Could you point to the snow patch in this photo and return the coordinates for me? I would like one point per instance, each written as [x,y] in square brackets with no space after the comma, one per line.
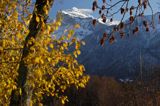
[115,22]
[81,13]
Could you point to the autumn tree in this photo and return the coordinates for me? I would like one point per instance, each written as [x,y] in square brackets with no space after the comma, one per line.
[107,9]
[32,62]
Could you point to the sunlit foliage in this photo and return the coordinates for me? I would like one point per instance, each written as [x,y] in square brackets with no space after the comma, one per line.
[52,66]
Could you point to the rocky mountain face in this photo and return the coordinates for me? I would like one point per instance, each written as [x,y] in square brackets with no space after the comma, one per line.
[127,57]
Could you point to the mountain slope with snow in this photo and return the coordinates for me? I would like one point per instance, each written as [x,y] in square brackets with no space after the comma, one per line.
[126,57]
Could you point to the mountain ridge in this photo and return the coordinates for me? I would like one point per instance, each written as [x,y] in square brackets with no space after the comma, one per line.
[122,58]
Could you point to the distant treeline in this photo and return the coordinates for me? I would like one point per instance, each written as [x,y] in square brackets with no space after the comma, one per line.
[107,91]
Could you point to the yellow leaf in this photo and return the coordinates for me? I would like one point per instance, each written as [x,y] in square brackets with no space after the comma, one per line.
[49,59]
[38,73]
[1,49]
[81,67]
[19,36]
[40,104]
[59,23]
[51,46]
[15,14]
[63,102]
[37,59]
[56,28]
[32,49]
[49,28]
[20,91]
[45,9]
[75,54]
[77,26]
[78,52]
[37,19]
[69,36]
[13,59]
[41,60]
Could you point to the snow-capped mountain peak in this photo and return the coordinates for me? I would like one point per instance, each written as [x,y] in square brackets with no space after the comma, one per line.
[84,18]
[81,13]
[86,13]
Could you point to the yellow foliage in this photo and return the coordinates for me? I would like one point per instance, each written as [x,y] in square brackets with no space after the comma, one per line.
[50,69]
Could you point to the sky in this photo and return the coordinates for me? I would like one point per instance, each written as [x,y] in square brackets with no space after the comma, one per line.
[87,4]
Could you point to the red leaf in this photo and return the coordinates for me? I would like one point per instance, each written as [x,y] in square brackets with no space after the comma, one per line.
[112,39]
[104,19]
[147,29]
[102,16]
[100,11]
[102,42]
[103,7]
[104,1]
[122,34]
[94,22]
[131,18]
[104,35]
[145,23]
[139,2]
[122,10]
[111,19]
[121,25]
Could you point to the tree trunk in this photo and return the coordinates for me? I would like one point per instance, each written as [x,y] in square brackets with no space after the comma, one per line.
[34,28]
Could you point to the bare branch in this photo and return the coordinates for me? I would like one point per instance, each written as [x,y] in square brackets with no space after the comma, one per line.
[139,10]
